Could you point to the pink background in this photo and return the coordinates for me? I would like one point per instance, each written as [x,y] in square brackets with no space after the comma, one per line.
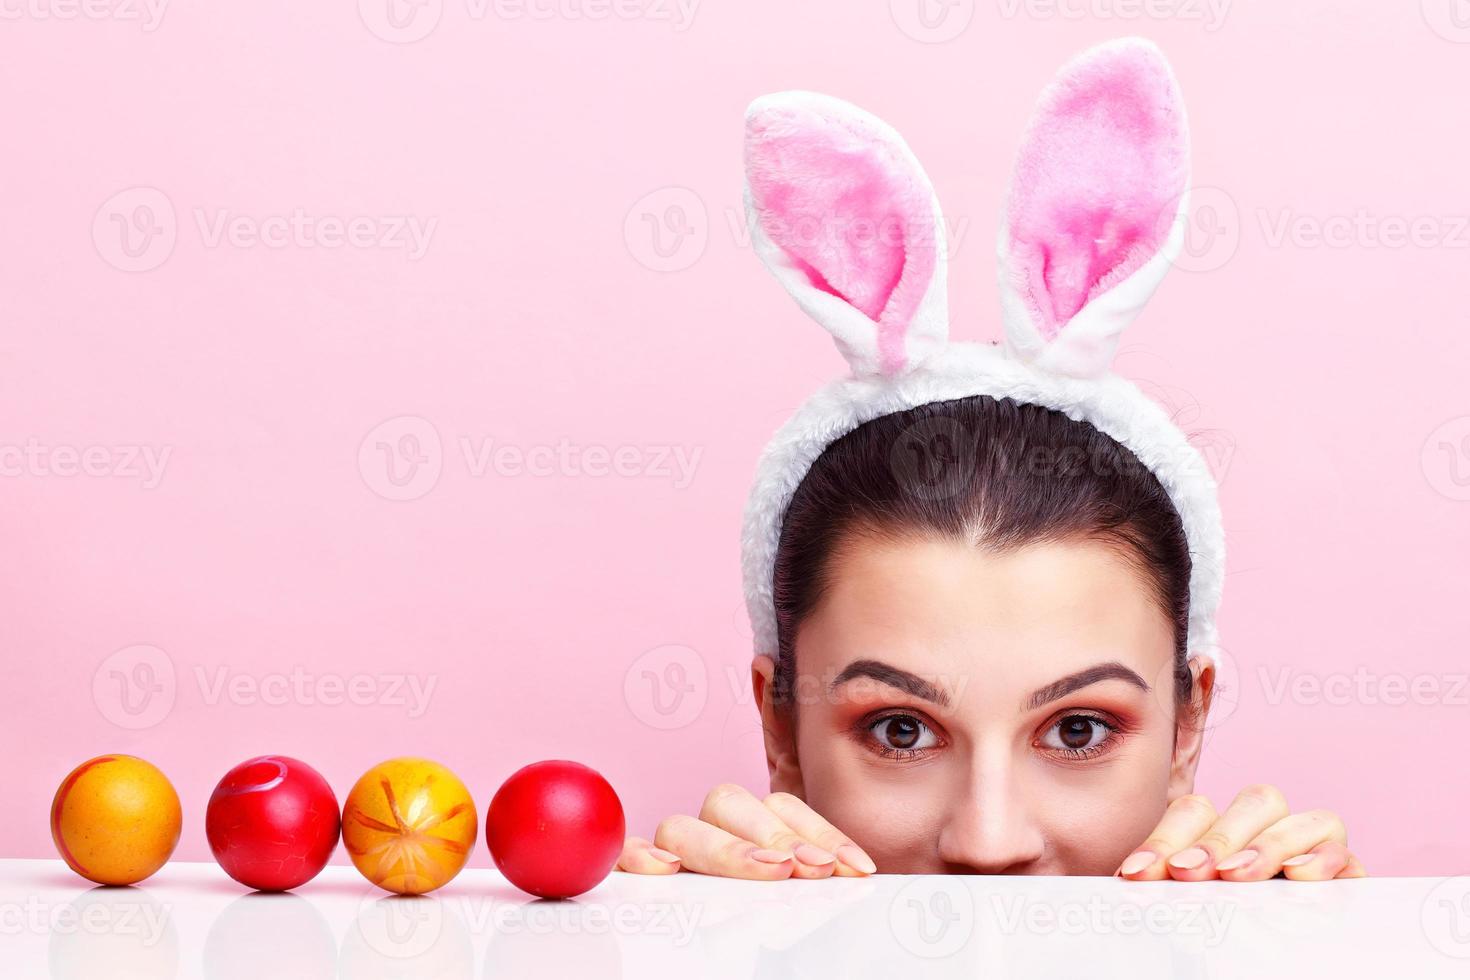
[1326,380]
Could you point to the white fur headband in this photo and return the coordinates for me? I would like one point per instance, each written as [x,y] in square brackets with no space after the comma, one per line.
[843,215]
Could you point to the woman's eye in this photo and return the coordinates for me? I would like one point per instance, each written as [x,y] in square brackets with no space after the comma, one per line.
[903,733]
[1077,733]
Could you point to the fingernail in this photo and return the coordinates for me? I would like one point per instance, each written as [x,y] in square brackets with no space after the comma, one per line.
[812,854]
[768,856]
[856,858]
[1137,862]
[1190,859]
[1299,860]
[668,857]
[1237,860]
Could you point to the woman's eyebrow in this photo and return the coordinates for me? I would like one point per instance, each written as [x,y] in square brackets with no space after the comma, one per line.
[1091,675]
[892,676]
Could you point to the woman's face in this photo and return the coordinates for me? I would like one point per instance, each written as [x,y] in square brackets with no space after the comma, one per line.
[961,711]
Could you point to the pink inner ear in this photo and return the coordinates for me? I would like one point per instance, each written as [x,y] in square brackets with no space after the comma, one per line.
[1097,182]
[851,211]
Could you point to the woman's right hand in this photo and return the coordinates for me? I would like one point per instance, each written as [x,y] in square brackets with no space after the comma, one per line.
[739,836]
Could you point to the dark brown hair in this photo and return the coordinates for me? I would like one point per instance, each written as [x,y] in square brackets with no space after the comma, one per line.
[997,473]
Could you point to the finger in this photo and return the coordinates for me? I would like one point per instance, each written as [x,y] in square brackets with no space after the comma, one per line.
[1248,816]
[1184,821]
[711,850]
[1328,860]
[852,861]
[735,808]
[640,857]
[1290,837]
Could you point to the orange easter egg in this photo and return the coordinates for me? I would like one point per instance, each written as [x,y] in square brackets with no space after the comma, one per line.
[409,825]
[115,819]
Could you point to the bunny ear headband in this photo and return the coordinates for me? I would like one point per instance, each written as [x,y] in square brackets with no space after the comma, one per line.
[843,215]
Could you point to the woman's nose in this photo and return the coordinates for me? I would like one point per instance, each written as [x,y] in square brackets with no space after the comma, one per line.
[990,828]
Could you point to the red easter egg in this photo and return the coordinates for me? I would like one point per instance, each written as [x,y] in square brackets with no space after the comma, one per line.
[555,829]
[272,823]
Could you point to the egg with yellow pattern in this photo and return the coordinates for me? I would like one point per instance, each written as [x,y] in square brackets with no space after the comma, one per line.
[409,825]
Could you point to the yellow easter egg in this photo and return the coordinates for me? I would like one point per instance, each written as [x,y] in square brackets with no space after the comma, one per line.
[409,825]
[115,819]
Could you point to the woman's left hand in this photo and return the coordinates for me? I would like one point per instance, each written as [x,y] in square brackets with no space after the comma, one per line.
[1253,840]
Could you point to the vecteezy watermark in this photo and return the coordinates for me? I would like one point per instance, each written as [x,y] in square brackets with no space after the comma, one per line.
[298,686]
[932,21]
[831,686]
[673,921]
[667,687]
[138,686]
[1211,14]
[932,917]
[135,687]
[675,464]
[402,459]
[667,230]
[137,229]
[1211,231]
[939,458]
[1364,687]
[1097,916]
[407,233]
[1450,19]
[1445,917]
[407,21]
[1445,458]
[1363,229]
[147,14]
[35,459]
[145,920]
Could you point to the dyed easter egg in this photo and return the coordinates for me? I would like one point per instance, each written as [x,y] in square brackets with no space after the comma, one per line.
[408,825]
[272,823]
[115,819]
[555,829]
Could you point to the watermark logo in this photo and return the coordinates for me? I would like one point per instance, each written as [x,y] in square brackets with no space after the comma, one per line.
[135,687]
[36,459]
[1445,917]
[401,458]
[1211,229]
[667,230]
[932,21]
[667,687]
[401,21]
[399,927]
[1364,687]
[135,230]
[932,917]
[1362,229]
[1450,19]
[1225,691]
[147,14]
[1210,14]
[1446,459]
[934,458]
[676,464]
[1096,916]
[138,686]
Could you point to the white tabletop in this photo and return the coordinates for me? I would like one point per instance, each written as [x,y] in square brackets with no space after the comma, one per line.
[189,920]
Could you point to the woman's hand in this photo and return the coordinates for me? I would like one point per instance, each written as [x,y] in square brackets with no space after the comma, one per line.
[1251,841]
[739,836]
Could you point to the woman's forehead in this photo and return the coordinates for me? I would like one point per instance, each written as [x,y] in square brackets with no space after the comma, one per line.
[931,605]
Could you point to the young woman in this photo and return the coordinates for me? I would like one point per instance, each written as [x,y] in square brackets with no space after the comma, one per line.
[983,580]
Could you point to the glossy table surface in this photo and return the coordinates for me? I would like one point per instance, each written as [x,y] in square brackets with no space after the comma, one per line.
[189,920]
